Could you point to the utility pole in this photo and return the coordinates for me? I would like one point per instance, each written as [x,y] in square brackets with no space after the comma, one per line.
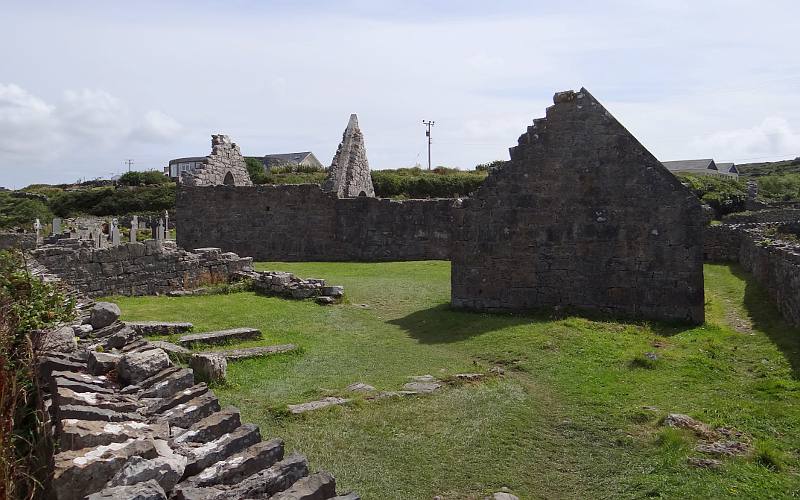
[129,162]
[428,124]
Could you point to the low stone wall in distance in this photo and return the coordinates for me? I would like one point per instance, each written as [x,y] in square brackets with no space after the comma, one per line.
[764,216]
[147,268]
[774,263]
[22,241]
[303,223]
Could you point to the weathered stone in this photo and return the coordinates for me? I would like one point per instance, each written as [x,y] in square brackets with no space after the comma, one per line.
[186,414]
[347,496]
[686,422]
[225,165]
[277,478]
[206,454]
[724,448]
[82,331]
[209,367]
[319,486]
[104,314]
[136,367]
[325,301]
[502,495]
[76,434]
[59,340]
[348,175]
[146,328]
[211,427]
[704,463]
[66,396]
[79,383]
[468,377]
[177,398]
[148,490]
[175,352]
[123,339]
[583,217]
[166,469]
[220,337]
[101,363]
[335,291]
[253,352]
[82,412]
[78,473]
[167,382]
[360,387]
[316,405]
[423,384]
[235,468]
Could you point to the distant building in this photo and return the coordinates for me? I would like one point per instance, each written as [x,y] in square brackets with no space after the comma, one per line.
[304,158]
[702,167]
[179,165]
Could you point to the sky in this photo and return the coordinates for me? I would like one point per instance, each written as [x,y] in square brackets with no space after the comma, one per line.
[86,85]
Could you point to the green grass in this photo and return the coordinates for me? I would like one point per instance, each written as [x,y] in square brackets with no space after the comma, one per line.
[576,414]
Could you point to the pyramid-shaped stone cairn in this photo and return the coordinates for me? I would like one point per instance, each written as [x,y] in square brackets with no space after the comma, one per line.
[349,175]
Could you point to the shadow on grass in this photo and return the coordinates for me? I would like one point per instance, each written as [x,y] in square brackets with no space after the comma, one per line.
[766,318]
[442,324]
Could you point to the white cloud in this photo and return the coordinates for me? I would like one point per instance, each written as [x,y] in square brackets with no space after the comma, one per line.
[773,137]
[27,125]
[157,127]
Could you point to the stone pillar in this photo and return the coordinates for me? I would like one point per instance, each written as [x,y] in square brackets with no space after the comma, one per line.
[134,228]
[160,231]
[37,226]
[56,225]
[166,224]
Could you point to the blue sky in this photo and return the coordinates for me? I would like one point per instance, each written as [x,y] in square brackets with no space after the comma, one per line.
[85,85]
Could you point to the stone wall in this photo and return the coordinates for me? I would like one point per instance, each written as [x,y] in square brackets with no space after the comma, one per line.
[128,423]
[763,216]
[23,241]
[225,165]
[301,222]
[774,264]
[348,175]
[137,268]
[582,217]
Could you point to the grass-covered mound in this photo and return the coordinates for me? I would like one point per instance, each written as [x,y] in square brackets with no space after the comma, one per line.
[576,414]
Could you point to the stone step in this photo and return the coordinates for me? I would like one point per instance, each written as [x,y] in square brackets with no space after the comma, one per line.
[194,410]
[147,490]
[253,352]
[174,351]
[78,434]
[65,396]
[162,405]
[211,427]
[200,457]
[173,382]
[319,486]
[235,468]
[146,328]
[220,337]
[316,405]
[82,412]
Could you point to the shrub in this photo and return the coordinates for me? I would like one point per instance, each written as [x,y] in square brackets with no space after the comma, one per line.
[21,212]
[255,167]
[784,187]
[106,201]
[146,178]
[724,196]
[25,304]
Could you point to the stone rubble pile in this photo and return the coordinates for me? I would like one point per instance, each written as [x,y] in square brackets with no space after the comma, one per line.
[290,286]
[131,424]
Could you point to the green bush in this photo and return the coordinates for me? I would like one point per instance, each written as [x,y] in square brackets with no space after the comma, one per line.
[255,167]
[105,201]
[724,196]
[21,212]
[416,183]
[784,187]
[146,178]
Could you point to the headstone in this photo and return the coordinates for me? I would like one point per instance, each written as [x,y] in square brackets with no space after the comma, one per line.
[166,224]
[38,227]
[160,231]
[134,228]
[115,236]
[56,225]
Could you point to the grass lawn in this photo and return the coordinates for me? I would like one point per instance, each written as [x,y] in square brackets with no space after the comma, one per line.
[576,414]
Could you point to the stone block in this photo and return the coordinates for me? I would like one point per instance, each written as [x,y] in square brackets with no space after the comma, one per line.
[137,367]
[209,367]
[104,314]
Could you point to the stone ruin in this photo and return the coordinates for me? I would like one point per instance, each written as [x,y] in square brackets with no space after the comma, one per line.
[225,165]
[348,175]
[582,217]
[128,423]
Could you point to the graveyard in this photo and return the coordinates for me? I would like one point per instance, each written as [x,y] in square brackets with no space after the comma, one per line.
[565,406]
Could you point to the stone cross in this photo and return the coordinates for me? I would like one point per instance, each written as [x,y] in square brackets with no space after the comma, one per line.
[160,231]
[56,225]
[166,224]
[38,227]
[134,228]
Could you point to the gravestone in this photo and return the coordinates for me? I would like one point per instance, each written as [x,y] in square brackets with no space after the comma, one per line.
[166,224]
[115,236]
[134,228]
[56,225]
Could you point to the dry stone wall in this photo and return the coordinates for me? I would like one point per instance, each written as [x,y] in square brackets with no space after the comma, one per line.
[764,216]
[301,222]
[773,263]
[583,216]
[225,165]
[130,424]
[147,268]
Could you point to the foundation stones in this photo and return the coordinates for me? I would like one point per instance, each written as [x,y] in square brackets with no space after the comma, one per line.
[104,314]
[254,352]
[100,363]
[240,465]
[316,405]
[77,434]
[186,414]
[220,337]
[175,380]
[138,366]
[147,328]
[209,367]
[58,340]
[422,384]
[148,490]
[211,427]
[175,352]
[209,453]
[348,175]
[319,486]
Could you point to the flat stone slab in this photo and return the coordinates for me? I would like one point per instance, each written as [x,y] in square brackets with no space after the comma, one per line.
[253,352]
[423,384]
[220,337]
[159,327]
[317,405]
[360,387]
[173,351]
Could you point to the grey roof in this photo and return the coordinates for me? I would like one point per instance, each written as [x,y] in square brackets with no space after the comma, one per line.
[681,165]
[187,159]
[290,157]
[727,167]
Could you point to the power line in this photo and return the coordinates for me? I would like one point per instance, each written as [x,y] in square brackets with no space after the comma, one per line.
[129,162]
